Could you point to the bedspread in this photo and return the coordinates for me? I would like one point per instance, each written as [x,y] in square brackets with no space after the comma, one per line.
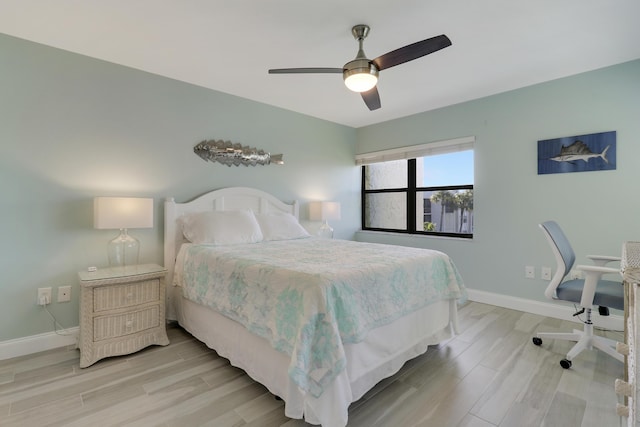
[308,297]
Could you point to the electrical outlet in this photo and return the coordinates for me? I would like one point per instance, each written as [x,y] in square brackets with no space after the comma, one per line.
[44,296]
[545,273]
[64,293]
[529,272]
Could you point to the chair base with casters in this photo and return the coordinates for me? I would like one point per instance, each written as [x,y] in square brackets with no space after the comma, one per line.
[587,293]
[585,340]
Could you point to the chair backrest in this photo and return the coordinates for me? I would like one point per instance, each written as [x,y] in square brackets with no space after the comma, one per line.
[563,252]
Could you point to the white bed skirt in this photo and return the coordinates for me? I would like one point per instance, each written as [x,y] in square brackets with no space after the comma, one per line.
[379,356]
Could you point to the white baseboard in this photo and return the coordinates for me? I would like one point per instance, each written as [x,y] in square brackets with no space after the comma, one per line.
[50,340]
[557,310]
[37,343]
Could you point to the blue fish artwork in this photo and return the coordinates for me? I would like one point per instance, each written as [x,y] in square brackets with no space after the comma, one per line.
[581,153]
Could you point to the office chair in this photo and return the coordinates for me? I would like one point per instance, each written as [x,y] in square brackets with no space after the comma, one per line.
[587,292]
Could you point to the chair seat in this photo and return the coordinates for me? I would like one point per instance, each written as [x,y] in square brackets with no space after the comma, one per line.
[609,293]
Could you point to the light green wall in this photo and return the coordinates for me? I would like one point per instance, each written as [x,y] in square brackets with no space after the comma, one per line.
[598,210]
[72,128]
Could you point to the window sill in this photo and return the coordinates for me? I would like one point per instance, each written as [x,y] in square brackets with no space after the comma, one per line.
[411,236]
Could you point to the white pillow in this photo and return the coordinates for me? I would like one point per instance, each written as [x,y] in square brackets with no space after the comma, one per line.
[280,226]
[222,227]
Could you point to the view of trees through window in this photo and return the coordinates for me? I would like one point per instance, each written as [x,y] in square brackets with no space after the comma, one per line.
[457,215]
[428,195]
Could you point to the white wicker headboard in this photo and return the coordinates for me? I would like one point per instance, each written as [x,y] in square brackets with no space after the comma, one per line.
[225,199]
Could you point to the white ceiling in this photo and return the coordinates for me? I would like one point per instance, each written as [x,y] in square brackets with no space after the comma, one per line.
[228,45]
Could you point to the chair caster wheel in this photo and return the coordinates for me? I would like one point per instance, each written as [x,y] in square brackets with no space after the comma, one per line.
[537,341]
[566,364]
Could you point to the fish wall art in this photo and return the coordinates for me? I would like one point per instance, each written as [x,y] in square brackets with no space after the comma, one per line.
[580,153]
[228,153]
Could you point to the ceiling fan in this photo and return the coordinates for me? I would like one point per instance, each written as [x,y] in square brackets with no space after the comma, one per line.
[361,74]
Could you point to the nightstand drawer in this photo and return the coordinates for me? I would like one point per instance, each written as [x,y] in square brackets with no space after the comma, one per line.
[106,327]
[121,296]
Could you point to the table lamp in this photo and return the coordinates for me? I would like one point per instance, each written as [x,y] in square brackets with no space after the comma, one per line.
[324,211]
[122,213]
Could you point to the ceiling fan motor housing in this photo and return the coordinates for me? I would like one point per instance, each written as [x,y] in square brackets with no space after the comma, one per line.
[360,69]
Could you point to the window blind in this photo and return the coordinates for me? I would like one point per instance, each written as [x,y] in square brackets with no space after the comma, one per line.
[415,151]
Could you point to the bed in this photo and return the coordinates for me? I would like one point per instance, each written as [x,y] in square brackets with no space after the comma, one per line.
[318,322]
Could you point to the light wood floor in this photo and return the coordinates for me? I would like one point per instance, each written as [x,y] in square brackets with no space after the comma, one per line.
[489,375]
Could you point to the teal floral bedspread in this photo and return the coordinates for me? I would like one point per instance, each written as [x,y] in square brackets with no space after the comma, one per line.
[308,297]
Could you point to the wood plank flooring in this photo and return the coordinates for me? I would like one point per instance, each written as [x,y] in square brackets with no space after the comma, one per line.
[489,375]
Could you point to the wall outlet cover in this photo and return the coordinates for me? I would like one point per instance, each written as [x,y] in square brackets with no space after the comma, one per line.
[64,294]
[529,272]
[44,296]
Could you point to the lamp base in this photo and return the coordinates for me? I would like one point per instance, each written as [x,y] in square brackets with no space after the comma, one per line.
[123,250]
[325,231]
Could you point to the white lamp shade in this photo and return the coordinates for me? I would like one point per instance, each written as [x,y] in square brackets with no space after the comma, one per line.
[323,211]
[122,212]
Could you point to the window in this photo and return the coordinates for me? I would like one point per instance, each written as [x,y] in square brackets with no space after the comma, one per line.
[425,189]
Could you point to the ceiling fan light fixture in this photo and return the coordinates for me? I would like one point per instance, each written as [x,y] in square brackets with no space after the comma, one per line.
[360,75]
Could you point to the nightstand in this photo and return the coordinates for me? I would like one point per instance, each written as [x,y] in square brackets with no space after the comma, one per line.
[122,310]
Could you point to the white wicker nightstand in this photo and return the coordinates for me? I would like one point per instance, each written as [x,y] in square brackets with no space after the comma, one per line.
[122,310]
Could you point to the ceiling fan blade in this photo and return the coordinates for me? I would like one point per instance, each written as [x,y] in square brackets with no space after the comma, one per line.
[411,52]
[305,70]
[371,98]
